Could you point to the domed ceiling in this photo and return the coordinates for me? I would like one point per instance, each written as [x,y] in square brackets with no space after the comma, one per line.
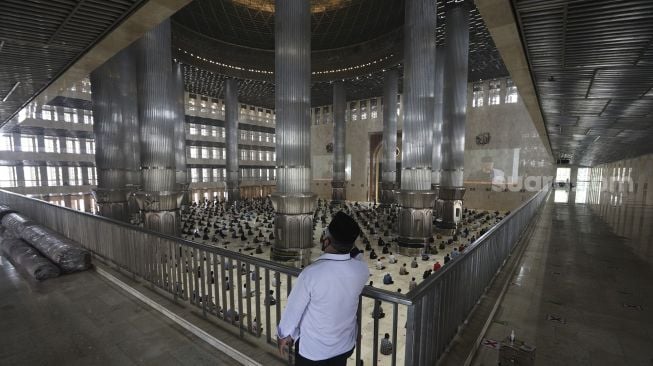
[334,23]
[351,40]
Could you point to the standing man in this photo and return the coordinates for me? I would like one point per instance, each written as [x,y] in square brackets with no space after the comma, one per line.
[320,317]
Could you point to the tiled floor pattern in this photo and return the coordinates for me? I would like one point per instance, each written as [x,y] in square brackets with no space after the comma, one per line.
[582,294]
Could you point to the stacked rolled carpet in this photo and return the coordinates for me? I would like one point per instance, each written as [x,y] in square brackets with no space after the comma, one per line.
[5,210]
[22,254]
[15,223]
[56,247]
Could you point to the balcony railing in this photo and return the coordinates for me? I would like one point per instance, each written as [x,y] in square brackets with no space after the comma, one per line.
[211,279]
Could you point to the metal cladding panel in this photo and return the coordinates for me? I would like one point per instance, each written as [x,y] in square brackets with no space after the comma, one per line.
[157,109]
[293,94]
[129,104]
[339,103]
[390,86]
[108,124]
[436,164]
[180,126]
[231,129]
[455,97]
[419,87]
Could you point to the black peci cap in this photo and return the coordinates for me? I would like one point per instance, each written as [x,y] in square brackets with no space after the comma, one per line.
[344,230]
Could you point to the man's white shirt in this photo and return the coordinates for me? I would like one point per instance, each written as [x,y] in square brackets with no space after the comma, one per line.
[321,308]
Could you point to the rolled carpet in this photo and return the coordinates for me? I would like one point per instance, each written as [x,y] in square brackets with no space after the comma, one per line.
[29,259]
[65,253]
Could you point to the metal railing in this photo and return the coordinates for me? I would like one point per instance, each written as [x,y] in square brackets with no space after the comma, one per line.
[235,287]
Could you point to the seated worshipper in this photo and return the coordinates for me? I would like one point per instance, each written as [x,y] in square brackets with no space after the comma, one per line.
[425,274]
[392,259]
[455,253]
[379,264]
[373,254]
[413,264]
[412,284]
[387,279]
[259,250]
[386,345]
[368,246]
[377,312]
[385,250]
[269,299]
[436,266]
[320,315]
[447,259]
[403,271]
[425,256]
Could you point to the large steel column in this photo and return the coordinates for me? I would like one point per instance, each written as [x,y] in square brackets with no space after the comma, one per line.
[416,198]
[180,135]
[338,190]
[454,114]
[232,110]
[436,164]
[111,127]
[159,199]
[293,201]
[389,174]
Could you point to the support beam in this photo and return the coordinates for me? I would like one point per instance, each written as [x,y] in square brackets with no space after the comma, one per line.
[113,89]
[293,201]
[416,198]
[338,189]
[181,175]
[450,204]
[389,166]
[232,110]
[159,199]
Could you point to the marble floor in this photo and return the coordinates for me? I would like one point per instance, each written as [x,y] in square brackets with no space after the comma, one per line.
[80,319]
[582,294]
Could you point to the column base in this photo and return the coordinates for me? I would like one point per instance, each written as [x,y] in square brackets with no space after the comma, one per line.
[233,191]
[415,221]
[338,191]
[387,194]
[160,211]
[113,203]
[293,226]
[449,207]
[164,222]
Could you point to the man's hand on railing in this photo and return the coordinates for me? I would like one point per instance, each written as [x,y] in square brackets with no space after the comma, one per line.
[284,345]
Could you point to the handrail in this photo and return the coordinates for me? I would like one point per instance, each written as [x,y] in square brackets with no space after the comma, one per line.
[426,284]
[203,276]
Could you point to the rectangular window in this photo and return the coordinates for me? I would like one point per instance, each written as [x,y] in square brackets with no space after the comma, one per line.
[363,109]
[51,144]
[511,92]
[205,152]
[7,176]
[72,146]
[6,143]
[252,155]
[88,117]
[215,175]
[32,176]
[478,96]
[206,174]
[203,130]
[90,147]
[494,97]
[193,152]
[91,175]
[192,129]
[373,109]
[317,114]
[353,111]
[54,176]
[194,175]
[28,143]
[48,113]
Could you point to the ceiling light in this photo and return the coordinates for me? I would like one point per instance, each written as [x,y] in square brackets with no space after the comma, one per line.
[11,91]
